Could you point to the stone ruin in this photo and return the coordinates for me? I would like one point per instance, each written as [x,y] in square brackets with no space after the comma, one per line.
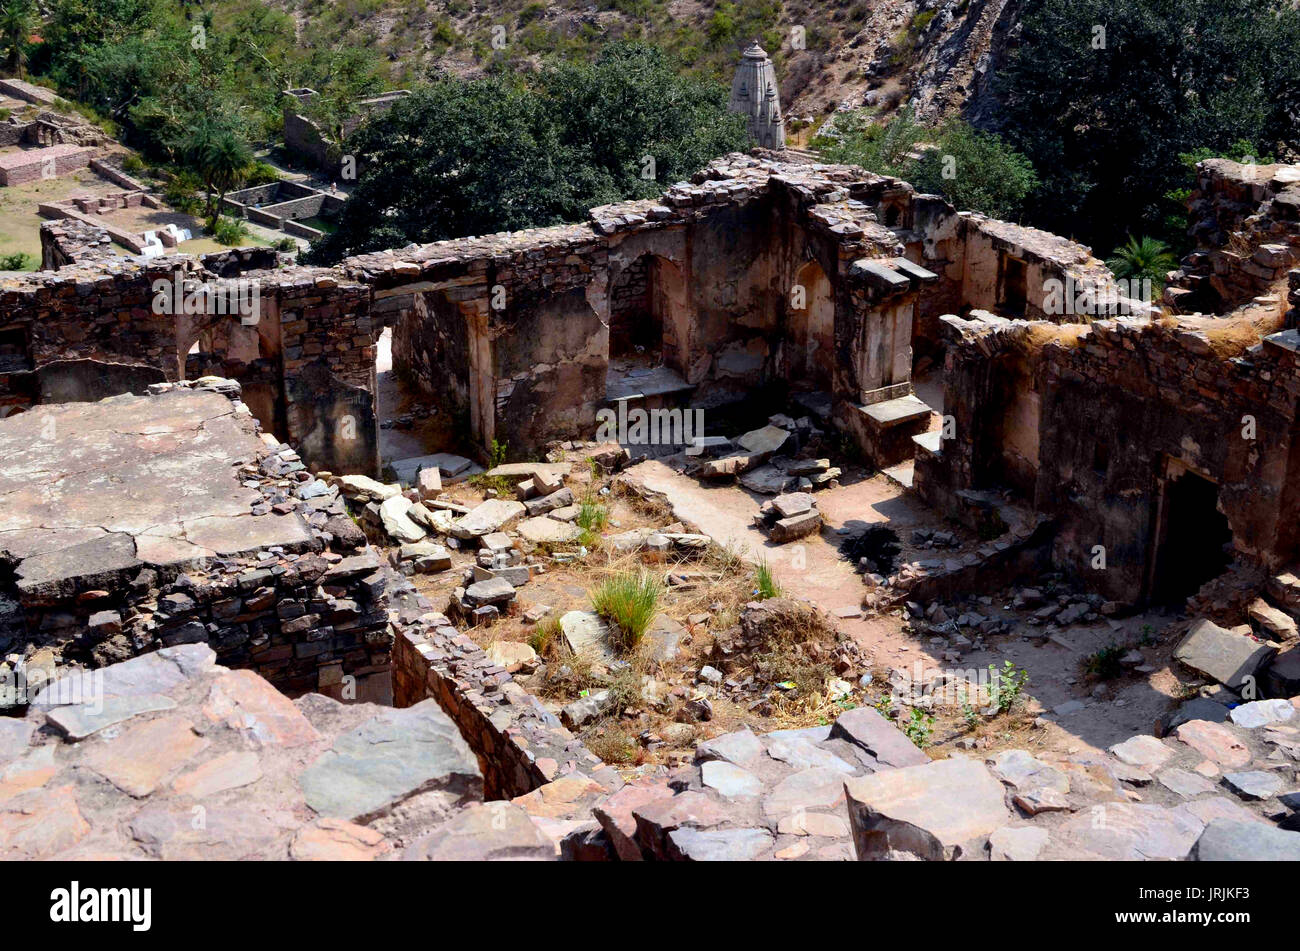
[1161,441]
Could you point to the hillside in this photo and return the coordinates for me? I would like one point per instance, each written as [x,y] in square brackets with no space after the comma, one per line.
[854,51]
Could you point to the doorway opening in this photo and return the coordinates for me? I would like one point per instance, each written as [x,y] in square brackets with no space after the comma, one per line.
[1193,540]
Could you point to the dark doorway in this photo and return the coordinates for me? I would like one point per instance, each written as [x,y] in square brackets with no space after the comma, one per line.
[1193,540]
[1014,288]
[636,326]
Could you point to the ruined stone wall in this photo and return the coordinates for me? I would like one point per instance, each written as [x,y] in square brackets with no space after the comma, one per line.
[1245,221]
[1121,404]
[520,745]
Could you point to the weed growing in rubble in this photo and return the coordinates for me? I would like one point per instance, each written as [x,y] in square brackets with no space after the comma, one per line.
[1104,663]
[629,601]
[766,584]
[592,516]
[613,745]
[918,727]
[1005,686]
[548,628]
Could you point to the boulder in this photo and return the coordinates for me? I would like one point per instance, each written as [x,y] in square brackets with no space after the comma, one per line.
[1218,653]
[1225,840]
[937,811]
[393,513]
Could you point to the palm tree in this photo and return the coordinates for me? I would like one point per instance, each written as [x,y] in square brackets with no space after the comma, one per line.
[15,28]
[221,155]
[1143,258]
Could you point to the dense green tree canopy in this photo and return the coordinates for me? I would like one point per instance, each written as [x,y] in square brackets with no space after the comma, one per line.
[458,157]
[1104,95]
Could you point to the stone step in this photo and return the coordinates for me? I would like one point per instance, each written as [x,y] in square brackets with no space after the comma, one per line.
[931,442]
[896,412]
[901,473]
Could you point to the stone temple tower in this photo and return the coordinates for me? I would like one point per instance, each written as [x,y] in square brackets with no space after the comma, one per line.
[754,95]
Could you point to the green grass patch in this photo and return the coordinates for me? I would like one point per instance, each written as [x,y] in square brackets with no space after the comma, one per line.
[628,601]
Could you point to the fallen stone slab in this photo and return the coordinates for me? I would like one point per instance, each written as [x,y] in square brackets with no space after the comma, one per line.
[729,780]
[1253,784]
[766,480]
[1022,771]
[937,811]
[797,526]
[1017,843]
[80,721]
[1185,783]
[727,467]
[586,709]
[1225,840]
[1215,742]
[742,748]
[448,465]
[719,845]
[428,483]
[484,832]
[585,632]
[766,441]
[543,530]
[374,768]
[1126,831]
[494,590]
[393,513]
[615,816]
[1198,708]
[1218,653]
[883,742]
[793,503]
[366,489]
[1145,752]
[549,503]
[1267,621]
[490,516]
[807,467]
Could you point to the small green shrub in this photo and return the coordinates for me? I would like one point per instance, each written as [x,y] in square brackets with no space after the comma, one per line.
[918,727]
[628,601]
[766,584]
[229,231]
[18,261]
[1104,663]
[1006,686]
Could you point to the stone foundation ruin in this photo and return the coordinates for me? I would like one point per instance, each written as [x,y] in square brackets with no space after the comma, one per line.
[1143,454]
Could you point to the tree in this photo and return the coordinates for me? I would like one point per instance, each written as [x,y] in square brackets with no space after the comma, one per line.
[15,29]
[216,149]
[348,76]
[498,154]
[1104,95]
[885,148]
[1143,259]
[976,171]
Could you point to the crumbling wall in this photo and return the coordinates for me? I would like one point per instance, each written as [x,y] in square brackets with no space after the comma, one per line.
[1122,405]
[520,745]
[1245,221]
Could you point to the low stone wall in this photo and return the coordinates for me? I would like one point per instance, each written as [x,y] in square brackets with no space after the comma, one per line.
[520,745]
[19,167]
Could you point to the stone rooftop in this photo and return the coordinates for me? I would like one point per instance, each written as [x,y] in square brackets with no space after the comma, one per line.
[104,489]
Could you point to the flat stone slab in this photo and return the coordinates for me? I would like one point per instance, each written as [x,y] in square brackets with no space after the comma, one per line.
[1225,840]
[1184,782]
[766,480]
[372,769]
[935,811]
[394,513]
[146,469]
[1253,784]
[1227,657]
[80,721]
[720,845]
[793,503]
[730,780]
[883,742]
[486,518]
[447,464]
[765,441]
[544,530]
[1145,752]
[895,412]
[585,632]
